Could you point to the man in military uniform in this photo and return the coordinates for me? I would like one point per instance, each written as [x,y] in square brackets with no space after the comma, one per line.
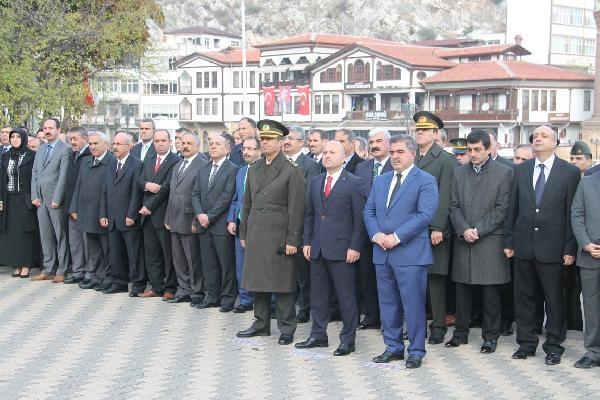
[581,156]
[459,149]
[271,232]
[432,159]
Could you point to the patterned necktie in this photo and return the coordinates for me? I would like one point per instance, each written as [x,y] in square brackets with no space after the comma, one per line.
[539,185]
[96,162]
[48,151]
[157,165]
[211,178]
[119,167]
[376,171]
[396,186]
[477,168]
[182,168]
[328,186]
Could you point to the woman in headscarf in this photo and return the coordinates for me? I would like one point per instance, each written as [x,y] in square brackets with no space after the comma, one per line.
[17,214]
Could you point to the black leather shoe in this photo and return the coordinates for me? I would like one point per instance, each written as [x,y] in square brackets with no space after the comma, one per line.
[302,317]
[99,287]
[553,359]
[134,294]
[115,289]
[180,299]
[196,302]
[436,338]
[251,332]
[72,280]
[311,342]
[344,349]
[87,285]
[522,354]
[586,363]
[489,346]
[507,329]
[413,362]
[207,305]
[387,356]
[363,326]
[225,309]
[242,308]
[285,339]
[455,342]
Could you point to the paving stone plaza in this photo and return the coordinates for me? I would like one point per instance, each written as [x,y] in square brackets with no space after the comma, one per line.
[61,342]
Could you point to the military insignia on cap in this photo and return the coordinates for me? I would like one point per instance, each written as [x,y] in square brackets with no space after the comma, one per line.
[265,128]
[422,119]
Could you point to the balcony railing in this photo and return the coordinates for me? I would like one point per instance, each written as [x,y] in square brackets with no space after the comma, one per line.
[477,115]
[293,83]
[376,115]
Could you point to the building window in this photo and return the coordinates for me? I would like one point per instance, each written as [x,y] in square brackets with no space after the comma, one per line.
[236,79]
[235,43]
[332,75]
[317,104]
[587,100]
[160,110]
[573,16]
[237,108]
[215,106]
[172,61]
[207,43]
[214,79]
[573,45]
[206,80]
[217,43]
[543,100]
[553,100]
[535,100]
[252,108]
[335,104]
[199,106]
[130,86]
[387,72]
[252,79]
[326,104]
[198,80]
[206,106]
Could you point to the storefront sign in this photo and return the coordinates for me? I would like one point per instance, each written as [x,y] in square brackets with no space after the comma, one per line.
[359,85]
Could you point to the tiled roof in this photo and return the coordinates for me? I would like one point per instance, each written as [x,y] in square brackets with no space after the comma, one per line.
[199,30]
[413,55]
[481,50]
[506,70]
[229,56]
[320,38]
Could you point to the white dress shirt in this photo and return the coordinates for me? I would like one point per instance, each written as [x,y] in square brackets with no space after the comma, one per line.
[335,176]
[394,179]
[547,168]
[144,150]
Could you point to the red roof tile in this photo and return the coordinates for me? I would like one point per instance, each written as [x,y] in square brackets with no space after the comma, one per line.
[481,50]
[320,38]
[413,55]
[230,55]
[506,70]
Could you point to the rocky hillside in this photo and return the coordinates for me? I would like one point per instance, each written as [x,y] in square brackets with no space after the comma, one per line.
[401,20]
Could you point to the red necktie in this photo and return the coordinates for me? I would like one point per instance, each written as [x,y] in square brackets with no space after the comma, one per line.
[157,166]
[328,186]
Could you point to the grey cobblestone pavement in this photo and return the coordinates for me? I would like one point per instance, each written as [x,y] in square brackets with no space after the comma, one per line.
[61,342]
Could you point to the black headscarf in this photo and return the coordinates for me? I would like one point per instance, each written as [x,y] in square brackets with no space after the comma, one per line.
[16,152]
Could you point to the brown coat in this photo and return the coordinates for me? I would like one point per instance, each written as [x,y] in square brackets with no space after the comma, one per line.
[272,216]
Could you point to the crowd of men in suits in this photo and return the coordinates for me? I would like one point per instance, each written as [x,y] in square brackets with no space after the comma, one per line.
[264,225]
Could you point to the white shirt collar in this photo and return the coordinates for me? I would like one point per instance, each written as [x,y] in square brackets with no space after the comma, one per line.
[294,157]
[335,176]
[406,172]
[547,164]
[382,162]
[219,163]
[123,160]
[348,158]
[102,156]
[189,160]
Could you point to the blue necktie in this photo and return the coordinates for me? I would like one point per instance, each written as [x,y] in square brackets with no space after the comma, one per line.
[539,185]
[48,151]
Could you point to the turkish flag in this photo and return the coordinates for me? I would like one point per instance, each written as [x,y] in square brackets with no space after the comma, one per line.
[269,100]
[87,91]
[304,93]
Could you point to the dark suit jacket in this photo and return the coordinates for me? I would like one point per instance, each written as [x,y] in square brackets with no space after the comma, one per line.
[351,165]
[74,167]
[136,151]
[214,200]
[157,202]
[504,161]
[235,156]
[25,170]
[85,201]
[593,170]
[180,212]
[542,232]
[364,170]
[121,197]
[335,224]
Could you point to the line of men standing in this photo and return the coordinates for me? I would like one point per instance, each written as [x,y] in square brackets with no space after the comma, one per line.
[170,220]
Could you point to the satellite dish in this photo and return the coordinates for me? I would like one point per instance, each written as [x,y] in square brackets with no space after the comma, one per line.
[485,107]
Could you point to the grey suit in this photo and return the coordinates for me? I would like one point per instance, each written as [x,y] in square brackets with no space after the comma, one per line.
[480,201]
[180,217]
[48,182]
[585,220]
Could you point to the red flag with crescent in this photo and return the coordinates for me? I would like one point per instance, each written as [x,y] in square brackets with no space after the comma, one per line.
[269,100]
[304,94]
[87,91]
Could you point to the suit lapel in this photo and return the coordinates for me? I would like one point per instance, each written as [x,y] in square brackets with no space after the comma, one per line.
[123,170]
[217,174]
[192,165]
[52,153]
[272,171]
[336,188]
[552,180]
[402,188]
